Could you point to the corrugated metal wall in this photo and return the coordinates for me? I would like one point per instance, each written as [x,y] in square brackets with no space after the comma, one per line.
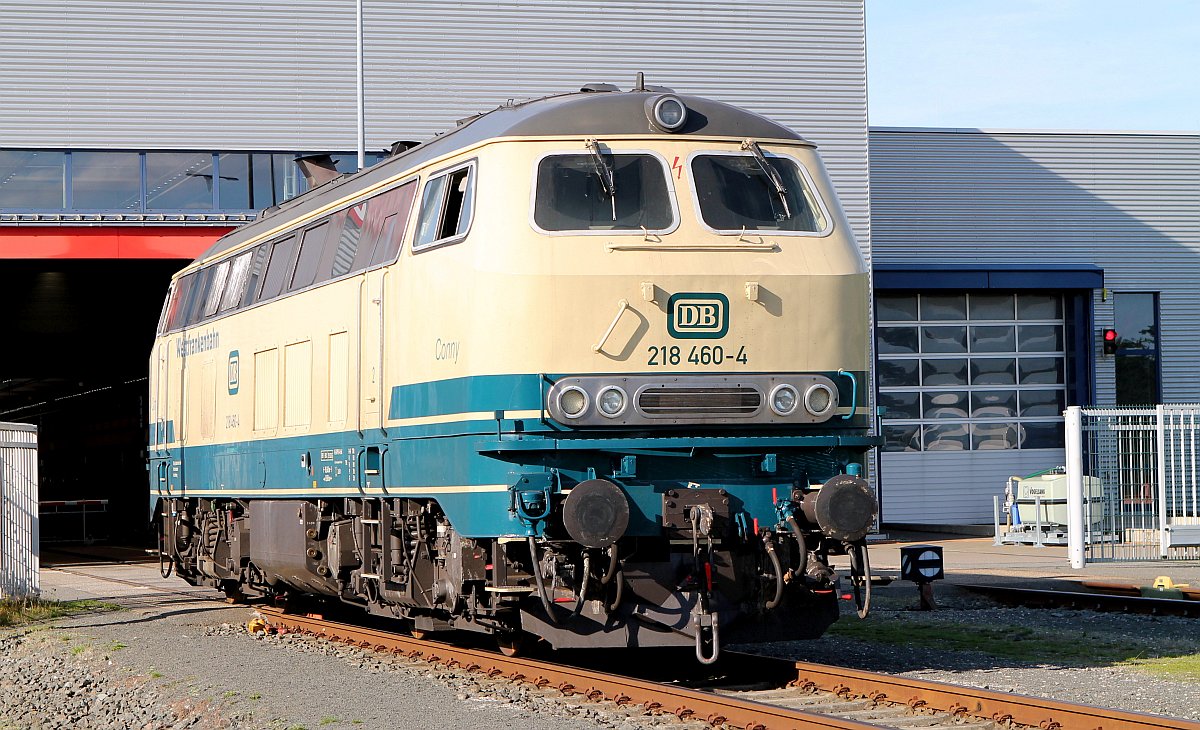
[20,574]
[1129,203]
[281,75]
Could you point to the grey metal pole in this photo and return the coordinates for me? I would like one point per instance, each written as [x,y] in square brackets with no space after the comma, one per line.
[1037,508]
[1075,526]
[996,518]
[1160,425]
[362,109]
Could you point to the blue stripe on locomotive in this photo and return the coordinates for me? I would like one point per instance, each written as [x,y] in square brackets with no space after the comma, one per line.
[446,460]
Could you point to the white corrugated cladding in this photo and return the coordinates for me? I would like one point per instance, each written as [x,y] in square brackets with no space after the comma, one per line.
[1126,202]
[281,75]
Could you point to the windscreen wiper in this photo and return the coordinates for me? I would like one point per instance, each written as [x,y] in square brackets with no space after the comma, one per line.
[771,173]
[604,171]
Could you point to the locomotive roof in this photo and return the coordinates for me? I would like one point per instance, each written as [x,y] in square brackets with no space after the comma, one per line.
[596,114]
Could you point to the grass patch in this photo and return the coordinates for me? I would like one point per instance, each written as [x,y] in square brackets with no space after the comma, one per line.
[17,612]
[155,674]
[328,720]
[116,646]
[1010,642]
[255,695]
[1185,667]
[77,650]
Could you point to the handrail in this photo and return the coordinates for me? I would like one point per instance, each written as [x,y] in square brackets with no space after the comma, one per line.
[621,307]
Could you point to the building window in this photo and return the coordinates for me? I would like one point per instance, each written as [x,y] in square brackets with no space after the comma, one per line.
[106,181]
[1135,317]
[33,179]
[971,372]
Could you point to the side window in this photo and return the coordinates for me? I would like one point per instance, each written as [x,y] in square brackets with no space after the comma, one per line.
[178,304]
[310,256]
[216,289]
[257,264]
[386,222]
[198,296]
[235,284]
[446,207]
[278,266]
[349,223]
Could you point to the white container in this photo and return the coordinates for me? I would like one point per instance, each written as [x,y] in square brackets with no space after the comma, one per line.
[1052,489]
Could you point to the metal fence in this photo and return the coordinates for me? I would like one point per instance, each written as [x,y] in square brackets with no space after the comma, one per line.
[19,562]
[1146,460]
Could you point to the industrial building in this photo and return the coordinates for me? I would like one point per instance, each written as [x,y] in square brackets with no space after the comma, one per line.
[127,147]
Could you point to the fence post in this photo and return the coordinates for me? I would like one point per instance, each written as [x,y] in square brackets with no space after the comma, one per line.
[996,519]
[1075,524]
[1160,426]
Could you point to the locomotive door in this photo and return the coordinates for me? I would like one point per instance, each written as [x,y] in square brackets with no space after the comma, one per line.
[372,390]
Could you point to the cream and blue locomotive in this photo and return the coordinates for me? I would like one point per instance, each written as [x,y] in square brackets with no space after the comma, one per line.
[590,368]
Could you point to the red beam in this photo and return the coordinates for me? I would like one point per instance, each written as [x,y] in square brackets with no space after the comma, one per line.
[107,242]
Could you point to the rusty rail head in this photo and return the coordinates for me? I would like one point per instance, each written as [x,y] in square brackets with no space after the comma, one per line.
[971,702]
[655,697]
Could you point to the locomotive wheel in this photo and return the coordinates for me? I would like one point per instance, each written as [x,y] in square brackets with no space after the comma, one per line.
[860,577]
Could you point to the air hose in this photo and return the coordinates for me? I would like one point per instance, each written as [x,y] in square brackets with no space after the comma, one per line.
[541,586]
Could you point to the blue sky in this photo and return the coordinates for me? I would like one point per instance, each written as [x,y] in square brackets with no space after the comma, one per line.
[1043,64]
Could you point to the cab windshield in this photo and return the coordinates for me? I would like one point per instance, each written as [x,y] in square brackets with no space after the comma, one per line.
[602,192]
[738,193]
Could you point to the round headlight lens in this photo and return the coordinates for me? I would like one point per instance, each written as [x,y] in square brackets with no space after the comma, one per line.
[573,401]
[669,113]
[611,401]
[784,399]
[818,399]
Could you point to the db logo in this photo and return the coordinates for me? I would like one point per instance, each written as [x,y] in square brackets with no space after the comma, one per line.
[234,372]
[694,316]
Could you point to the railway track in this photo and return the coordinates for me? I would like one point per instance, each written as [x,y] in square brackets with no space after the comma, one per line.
[1115,602]
[769,693]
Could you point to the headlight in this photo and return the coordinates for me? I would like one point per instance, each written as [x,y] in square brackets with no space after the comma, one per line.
[818,399]
[611,401]
[668,113]
[573,401]
[784,399]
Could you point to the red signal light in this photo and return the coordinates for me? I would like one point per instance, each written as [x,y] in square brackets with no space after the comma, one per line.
[1110,342]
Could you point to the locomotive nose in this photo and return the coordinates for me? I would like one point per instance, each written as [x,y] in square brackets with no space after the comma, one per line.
[596,513]
[843,508]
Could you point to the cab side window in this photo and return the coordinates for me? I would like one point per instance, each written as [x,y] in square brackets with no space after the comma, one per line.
[446,207]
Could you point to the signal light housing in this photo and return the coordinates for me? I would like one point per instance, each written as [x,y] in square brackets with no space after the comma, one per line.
[1110,342]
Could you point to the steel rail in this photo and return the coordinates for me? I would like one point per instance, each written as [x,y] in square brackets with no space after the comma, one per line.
[922,696]
[1000,707]
[1110,602]
[683,702]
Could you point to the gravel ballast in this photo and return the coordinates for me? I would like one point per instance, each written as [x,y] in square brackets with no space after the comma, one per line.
[185,663]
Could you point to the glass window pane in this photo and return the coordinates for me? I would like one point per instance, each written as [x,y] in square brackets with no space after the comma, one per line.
[349,226]
[1040,338]
[239,272]
[993,339]
[902,438]
[901,405]
[1036,403]
[899,374]
[949,404]
[394,226]
[1041,370]
[943,306]
[1137,380]
[994,404]
[234,188]
[431,205]
[179,181]
[311,249]
[952,371]
[32,179]
[993,371]
[735,194]
[989,436]
[943,339]
[1042,435]
[1039,306]
[947,437]
[178,304]
[267,173]
[896,307]
[277,268]
[256,270]
[992,306]
[106,181]
[897,340]
[216,289]
[1134,320]
[571,196]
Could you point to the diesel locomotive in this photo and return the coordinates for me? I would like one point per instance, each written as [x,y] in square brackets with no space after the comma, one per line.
[590,369]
